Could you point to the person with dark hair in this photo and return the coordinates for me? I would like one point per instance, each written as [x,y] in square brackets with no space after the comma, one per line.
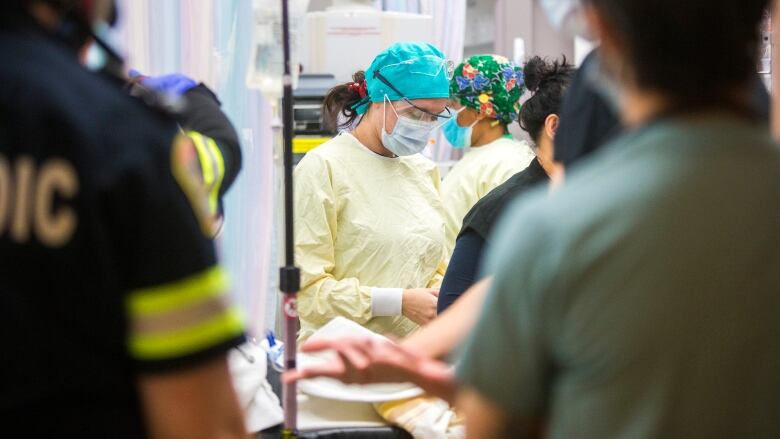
[485,91]
[369,227]
[644,304]
[588,120]
[548,82]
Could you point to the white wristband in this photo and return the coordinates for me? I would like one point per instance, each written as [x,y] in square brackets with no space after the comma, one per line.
[386,302]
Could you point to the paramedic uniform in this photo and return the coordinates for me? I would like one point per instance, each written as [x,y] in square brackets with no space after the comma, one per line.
[105,270]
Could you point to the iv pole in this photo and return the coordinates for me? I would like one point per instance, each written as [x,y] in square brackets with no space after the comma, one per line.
[289,275]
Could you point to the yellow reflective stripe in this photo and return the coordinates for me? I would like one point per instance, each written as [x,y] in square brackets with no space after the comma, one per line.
[220,162]
[164,298]
[187,341]
[206,165]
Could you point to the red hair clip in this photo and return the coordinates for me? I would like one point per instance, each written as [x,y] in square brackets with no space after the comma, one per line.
[359,88]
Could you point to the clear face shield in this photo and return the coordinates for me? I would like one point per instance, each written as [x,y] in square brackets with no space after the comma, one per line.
[430,66]
[414,123]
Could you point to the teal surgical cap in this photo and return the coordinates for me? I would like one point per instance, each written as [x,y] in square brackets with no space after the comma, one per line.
[415,71]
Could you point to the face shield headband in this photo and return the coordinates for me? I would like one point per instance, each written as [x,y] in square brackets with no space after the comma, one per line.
[427,65]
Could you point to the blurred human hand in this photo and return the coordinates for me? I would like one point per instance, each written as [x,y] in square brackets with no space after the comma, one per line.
[366,361]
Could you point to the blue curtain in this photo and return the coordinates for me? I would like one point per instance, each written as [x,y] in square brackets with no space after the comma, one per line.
[166,36]
[249,244]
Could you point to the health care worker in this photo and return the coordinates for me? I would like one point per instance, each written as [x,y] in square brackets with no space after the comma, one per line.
[369,226]
[548,81]
[486,91]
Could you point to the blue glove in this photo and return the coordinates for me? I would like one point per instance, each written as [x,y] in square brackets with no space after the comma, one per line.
[175,84]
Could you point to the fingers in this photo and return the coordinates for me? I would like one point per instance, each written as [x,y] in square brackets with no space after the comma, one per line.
[354,359]
[333,370]
[350,366]
[386,362]
[324,344]
[292,376]
[319,344]
[434,292]
[360,361]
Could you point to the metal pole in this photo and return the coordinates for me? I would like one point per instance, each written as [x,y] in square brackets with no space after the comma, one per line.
[289,275]
[775,74]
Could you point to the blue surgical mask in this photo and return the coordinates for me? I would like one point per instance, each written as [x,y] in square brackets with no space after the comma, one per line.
[409,136]
[458,136]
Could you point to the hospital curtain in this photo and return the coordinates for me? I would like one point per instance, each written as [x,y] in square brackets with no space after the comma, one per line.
[210,41]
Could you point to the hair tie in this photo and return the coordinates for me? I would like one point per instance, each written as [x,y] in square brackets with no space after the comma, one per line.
[359,88]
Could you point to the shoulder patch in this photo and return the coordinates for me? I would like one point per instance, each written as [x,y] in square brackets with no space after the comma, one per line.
[186,169]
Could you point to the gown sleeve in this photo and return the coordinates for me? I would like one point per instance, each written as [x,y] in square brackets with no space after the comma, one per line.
[322,296]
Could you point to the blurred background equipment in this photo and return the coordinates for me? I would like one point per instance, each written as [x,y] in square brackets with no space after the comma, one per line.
[310,128]
[266,66]
[346,36]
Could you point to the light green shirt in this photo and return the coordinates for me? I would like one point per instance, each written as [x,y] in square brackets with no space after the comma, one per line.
[646,301]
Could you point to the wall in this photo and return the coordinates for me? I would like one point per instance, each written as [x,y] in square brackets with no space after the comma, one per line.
[210,41]
[525,19]
[480,37]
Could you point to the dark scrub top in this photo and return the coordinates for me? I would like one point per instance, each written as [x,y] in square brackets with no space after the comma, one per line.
[464,266]
[587,121]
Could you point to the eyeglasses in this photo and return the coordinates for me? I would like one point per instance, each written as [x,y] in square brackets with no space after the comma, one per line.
[420,114]
[413,111]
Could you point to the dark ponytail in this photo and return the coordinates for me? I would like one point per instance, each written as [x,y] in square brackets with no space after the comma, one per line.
[548,82]
[339,101]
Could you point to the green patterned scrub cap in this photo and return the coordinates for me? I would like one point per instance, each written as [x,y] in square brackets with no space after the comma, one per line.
[490,84]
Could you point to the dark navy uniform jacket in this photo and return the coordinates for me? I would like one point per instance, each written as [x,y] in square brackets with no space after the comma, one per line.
[107,271]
